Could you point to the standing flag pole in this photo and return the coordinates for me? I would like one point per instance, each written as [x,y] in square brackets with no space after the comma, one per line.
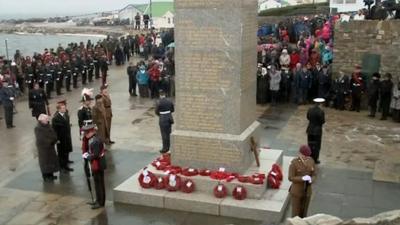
[151,14]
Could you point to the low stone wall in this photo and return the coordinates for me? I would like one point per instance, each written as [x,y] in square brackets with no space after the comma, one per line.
[387,218]
[355,38]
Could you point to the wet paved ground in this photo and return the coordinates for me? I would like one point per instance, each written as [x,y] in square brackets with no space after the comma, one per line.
[342,189]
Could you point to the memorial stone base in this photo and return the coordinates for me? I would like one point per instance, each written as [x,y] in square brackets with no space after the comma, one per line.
[214,150]
[261,204]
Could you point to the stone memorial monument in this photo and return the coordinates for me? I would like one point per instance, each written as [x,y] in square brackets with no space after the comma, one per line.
[215,83]
[215,117]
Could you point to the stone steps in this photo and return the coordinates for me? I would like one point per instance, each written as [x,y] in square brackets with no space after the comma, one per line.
[271,206]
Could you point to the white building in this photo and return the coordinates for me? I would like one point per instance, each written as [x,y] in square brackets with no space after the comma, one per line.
[129,12]
[164,21]
[346,5]
[269,4]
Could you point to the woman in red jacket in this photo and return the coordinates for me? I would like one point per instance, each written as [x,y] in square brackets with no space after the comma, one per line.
[294,59]
[154,73]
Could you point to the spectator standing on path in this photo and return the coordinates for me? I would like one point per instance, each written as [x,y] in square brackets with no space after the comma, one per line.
[357,89]
[154,73]
[46,138]
[94,155]
[373,94]
[262,84]
[386,89]
[301,173]
[164,110]
[142,78]
[108,110]
[316,118]
[137,21]
[132,71]
[274,83]
[324,84]
[303,84]
[62,127]
[7,98]
[341,89]
[38,102]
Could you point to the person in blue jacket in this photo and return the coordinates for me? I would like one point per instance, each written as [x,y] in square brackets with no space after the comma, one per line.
[142,78]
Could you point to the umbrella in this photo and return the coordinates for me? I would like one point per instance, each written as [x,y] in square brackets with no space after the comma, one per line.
[172,45]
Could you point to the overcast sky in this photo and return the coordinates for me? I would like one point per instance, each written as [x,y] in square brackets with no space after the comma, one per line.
[30,8]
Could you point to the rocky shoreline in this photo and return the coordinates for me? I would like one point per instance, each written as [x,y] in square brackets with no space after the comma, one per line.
[54,28]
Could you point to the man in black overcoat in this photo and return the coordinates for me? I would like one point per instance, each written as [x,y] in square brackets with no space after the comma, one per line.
[62,127]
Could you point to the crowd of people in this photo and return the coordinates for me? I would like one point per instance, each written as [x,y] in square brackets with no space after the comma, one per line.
[295,65]
[77,65]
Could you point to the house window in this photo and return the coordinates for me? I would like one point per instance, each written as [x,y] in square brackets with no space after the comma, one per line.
[169,20]
[350,1]
[338,1]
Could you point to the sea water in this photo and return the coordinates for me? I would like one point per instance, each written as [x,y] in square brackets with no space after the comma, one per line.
[30,43]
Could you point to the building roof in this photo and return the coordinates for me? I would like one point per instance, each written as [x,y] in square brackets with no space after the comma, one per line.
[142,7]
[130,6]
[158,8]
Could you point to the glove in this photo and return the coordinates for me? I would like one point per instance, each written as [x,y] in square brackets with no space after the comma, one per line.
[85,155]
[12,98]
[306,178]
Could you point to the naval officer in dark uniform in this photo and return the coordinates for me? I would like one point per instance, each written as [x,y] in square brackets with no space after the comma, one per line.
[7,97]
[316,118]
[164,110]
[38,102]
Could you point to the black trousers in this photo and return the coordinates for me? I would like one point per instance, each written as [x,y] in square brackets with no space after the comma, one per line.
[274,96]
[58,86]
[132,85]
[97,72]
[385,105]
[8,115]
[165,135]
[143,91]
[84,77]
[63,158]
[155,89]
[314,142]
[99,187]
[75,80]
[373,104]
[49,88]
[340,101]
[356,102]
[90,75]
[47,176]
[68,83]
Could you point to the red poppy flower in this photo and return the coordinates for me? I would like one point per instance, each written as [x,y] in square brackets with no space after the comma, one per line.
[220,191]
[188,186]
[239,193]
[172,182]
